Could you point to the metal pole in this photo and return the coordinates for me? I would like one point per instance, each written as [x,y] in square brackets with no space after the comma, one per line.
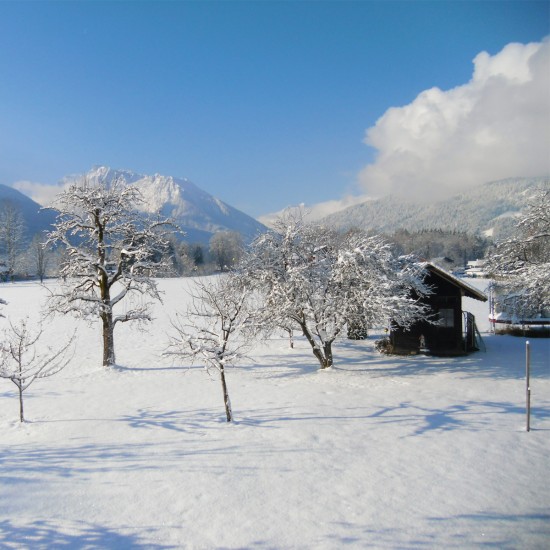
[528,385]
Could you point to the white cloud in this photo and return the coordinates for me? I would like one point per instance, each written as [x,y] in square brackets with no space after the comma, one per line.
[495,126]
[42,193]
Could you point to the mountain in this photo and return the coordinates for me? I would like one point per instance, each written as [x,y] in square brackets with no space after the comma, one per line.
[197,212]
[489,209]
[35,220]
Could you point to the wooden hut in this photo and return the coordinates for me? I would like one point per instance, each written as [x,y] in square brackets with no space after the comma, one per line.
[455,333]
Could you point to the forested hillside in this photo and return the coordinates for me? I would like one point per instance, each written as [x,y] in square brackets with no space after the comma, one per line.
[453,249]
[488,210]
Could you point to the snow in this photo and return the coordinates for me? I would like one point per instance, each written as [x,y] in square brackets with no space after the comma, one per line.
[191,207]
[378,452]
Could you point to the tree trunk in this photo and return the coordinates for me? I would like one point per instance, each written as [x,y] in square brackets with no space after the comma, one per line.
[324,356]
[21,417]
[226,401]
[108,340]
[329,361]
[107,312]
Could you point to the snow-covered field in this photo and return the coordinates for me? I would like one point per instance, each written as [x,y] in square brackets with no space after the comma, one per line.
[378,452]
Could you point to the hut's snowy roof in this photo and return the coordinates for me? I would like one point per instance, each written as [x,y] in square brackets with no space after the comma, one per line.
[467,290]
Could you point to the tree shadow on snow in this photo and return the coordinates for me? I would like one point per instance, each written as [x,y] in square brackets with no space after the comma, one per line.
[124,368]
[521,530]
[184,421]
[288,365]
[472,416]
[504,359]
[83,463]
[275,418]
[80,460]
[47,534]
[481,530]
[179,421]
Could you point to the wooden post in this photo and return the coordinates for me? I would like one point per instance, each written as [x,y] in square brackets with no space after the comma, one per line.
[527,385]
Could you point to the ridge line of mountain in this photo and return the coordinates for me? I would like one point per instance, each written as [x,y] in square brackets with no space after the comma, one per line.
[488,209]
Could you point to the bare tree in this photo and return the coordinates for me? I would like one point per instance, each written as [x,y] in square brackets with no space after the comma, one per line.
[322,281]
[12,237]
[216,328]
[112,254]
[226,249]
[288,326]
[39,257]
[21,364]
[521,264]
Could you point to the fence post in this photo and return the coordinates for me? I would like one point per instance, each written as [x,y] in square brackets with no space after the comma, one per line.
[527,386]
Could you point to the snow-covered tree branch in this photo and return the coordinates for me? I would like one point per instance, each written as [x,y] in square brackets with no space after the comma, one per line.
[321,281]
[112,253]
[226,249]
[12,237]
[521,264]
[21,364]
[216,329]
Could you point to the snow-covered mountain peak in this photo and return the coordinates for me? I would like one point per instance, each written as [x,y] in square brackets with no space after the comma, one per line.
[196,211]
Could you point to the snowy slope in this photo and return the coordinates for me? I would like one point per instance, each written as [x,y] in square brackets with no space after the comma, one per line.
[35,219]
[489,209]
[196,211]
[377,452]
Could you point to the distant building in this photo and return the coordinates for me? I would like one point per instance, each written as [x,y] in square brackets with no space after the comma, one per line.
[475,268]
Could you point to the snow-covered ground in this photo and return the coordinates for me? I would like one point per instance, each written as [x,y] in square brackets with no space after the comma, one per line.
[378,452]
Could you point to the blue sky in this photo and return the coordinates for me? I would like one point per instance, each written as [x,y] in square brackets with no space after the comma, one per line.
[263,104]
